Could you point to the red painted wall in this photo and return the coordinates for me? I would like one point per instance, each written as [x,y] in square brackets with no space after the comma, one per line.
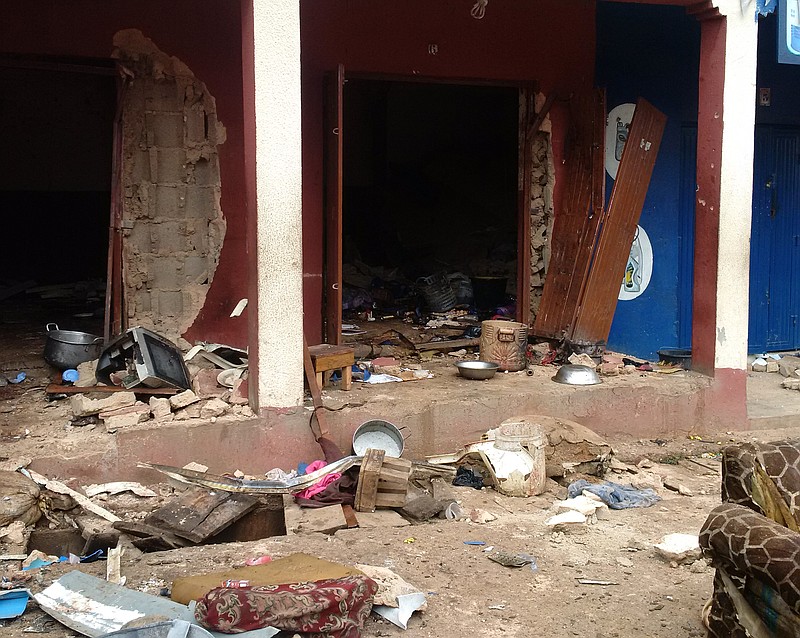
[206,35]
[549,41]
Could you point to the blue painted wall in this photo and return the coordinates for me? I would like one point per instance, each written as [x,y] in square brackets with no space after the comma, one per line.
[653,52]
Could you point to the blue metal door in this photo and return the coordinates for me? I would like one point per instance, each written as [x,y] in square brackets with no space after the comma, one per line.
[775,235]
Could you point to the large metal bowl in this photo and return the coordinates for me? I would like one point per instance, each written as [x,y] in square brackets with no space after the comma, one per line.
[477,369]
[576,375]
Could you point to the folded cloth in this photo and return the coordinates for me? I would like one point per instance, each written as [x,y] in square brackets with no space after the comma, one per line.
[616,496]
[335,608]
[319,486]
[340,491]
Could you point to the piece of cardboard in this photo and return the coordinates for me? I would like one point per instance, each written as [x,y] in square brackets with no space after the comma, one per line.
[296,568]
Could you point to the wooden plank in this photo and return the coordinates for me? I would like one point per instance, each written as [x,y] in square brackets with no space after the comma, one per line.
[159,538]
[572,227]
[452,344]
[368,477]
[221,517]
[59,488]
[185,512]
[599,301]
[318,426]
[332,360]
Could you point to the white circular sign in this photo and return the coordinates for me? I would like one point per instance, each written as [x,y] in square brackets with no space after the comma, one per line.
[617,126]
[639,268]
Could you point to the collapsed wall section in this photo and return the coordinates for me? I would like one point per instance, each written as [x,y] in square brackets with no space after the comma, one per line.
[172,221]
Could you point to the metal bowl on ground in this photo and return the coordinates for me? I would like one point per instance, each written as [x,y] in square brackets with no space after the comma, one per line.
[576,375]
[477,369]
[378,434]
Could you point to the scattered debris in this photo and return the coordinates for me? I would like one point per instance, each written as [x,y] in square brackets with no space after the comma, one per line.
[679,548]
[614,495]
[117,488]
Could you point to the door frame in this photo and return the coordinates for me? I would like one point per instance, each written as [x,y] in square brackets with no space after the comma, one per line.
[333,139]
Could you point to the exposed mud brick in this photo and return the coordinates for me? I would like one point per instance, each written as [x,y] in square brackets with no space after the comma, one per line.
[195,126]
[183,399]
[139,235]
[166,128]
[84,406]
[201,201]
[160,407]
[170,304]
[170,202]
[172,168]
[206,172]
[213,408]
[195,269]
[162,95]
[140,171]
[167,273]
[169,237]
[141,409]
[205,384]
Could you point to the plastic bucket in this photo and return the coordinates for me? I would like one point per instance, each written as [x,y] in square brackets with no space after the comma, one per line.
[524,435]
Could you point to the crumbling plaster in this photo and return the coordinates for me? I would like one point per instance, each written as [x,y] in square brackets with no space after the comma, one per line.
[541,208]
[172,221]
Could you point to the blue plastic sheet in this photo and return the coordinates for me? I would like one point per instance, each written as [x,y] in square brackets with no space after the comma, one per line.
[616,496]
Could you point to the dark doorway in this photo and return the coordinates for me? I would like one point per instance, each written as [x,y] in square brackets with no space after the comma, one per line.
[55,183]
[430,186]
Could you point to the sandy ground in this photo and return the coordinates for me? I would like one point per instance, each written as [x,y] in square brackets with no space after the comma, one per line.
[469,594]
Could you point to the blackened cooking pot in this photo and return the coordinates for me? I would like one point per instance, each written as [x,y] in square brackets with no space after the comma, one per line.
[66,348]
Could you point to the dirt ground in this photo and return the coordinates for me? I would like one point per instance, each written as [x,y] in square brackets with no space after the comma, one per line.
[467,593]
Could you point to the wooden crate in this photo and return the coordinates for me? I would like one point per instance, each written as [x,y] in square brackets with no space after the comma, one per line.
[382,481]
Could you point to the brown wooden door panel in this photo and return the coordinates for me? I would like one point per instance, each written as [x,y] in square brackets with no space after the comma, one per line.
[334,141]
[575,224]
[596,311]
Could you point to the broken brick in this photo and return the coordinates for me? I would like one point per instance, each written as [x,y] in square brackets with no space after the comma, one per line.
[160,407]
[213,408]
[185,398]
[84,406]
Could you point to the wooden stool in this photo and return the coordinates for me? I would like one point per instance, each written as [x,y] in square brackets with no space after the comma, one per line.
[326,358]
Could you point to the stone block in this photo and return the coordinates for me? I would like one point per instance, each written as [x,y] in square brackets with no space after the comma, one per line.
[213,408]
[141,167]
[183,399]
[160,407]
[421,506]
[169,237]
[84,406]
[189,412]
[759,365]
[772,365]
[166,128]
[201,201]
[140,409]
[608,369]
[114,423]
[787,365]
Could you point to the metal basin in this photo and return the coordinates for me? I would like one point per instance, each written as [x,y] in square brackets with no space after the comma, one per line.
[477,369]
[378,435]
[67,348]
[576,375]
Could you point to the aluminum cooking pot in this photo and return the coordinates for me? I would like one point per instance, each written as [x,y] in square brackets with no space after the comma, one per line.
[67,348]
[576,375]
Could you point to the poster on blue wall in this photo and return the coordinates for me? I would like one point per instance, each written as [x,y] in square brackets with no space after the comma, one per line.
[789,32]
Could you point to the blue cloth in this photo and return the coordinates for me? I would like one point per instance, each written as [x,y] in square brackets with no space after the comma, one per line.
[765,7]
[616,496]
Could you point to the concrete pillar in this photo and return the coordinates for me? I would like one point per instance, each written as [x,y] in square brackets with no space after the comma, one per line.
[271,62]
[723,205]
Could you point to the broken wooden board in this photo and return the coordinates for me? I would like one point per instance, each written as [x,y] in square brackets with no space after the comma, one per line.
[452,344]
[368,476]
[599,300]
[83,501]
[197,515]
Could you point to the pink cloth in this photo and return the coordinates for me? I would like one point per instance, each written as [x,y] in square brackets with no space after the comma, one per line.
[320,485]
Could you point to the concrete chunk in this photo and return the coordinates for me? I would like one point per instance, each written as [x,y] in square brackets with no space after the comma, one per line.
[159,407]
[84,406]
[185,398]
[787,365]
[213,408]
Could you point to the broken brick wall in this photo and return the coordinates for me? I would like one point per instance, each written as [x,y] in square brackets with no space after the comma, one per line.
[173,226]
[541,210]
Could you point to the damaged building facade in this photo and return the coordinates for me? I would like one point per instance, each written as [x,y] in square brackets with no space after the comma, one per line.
[238,129]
